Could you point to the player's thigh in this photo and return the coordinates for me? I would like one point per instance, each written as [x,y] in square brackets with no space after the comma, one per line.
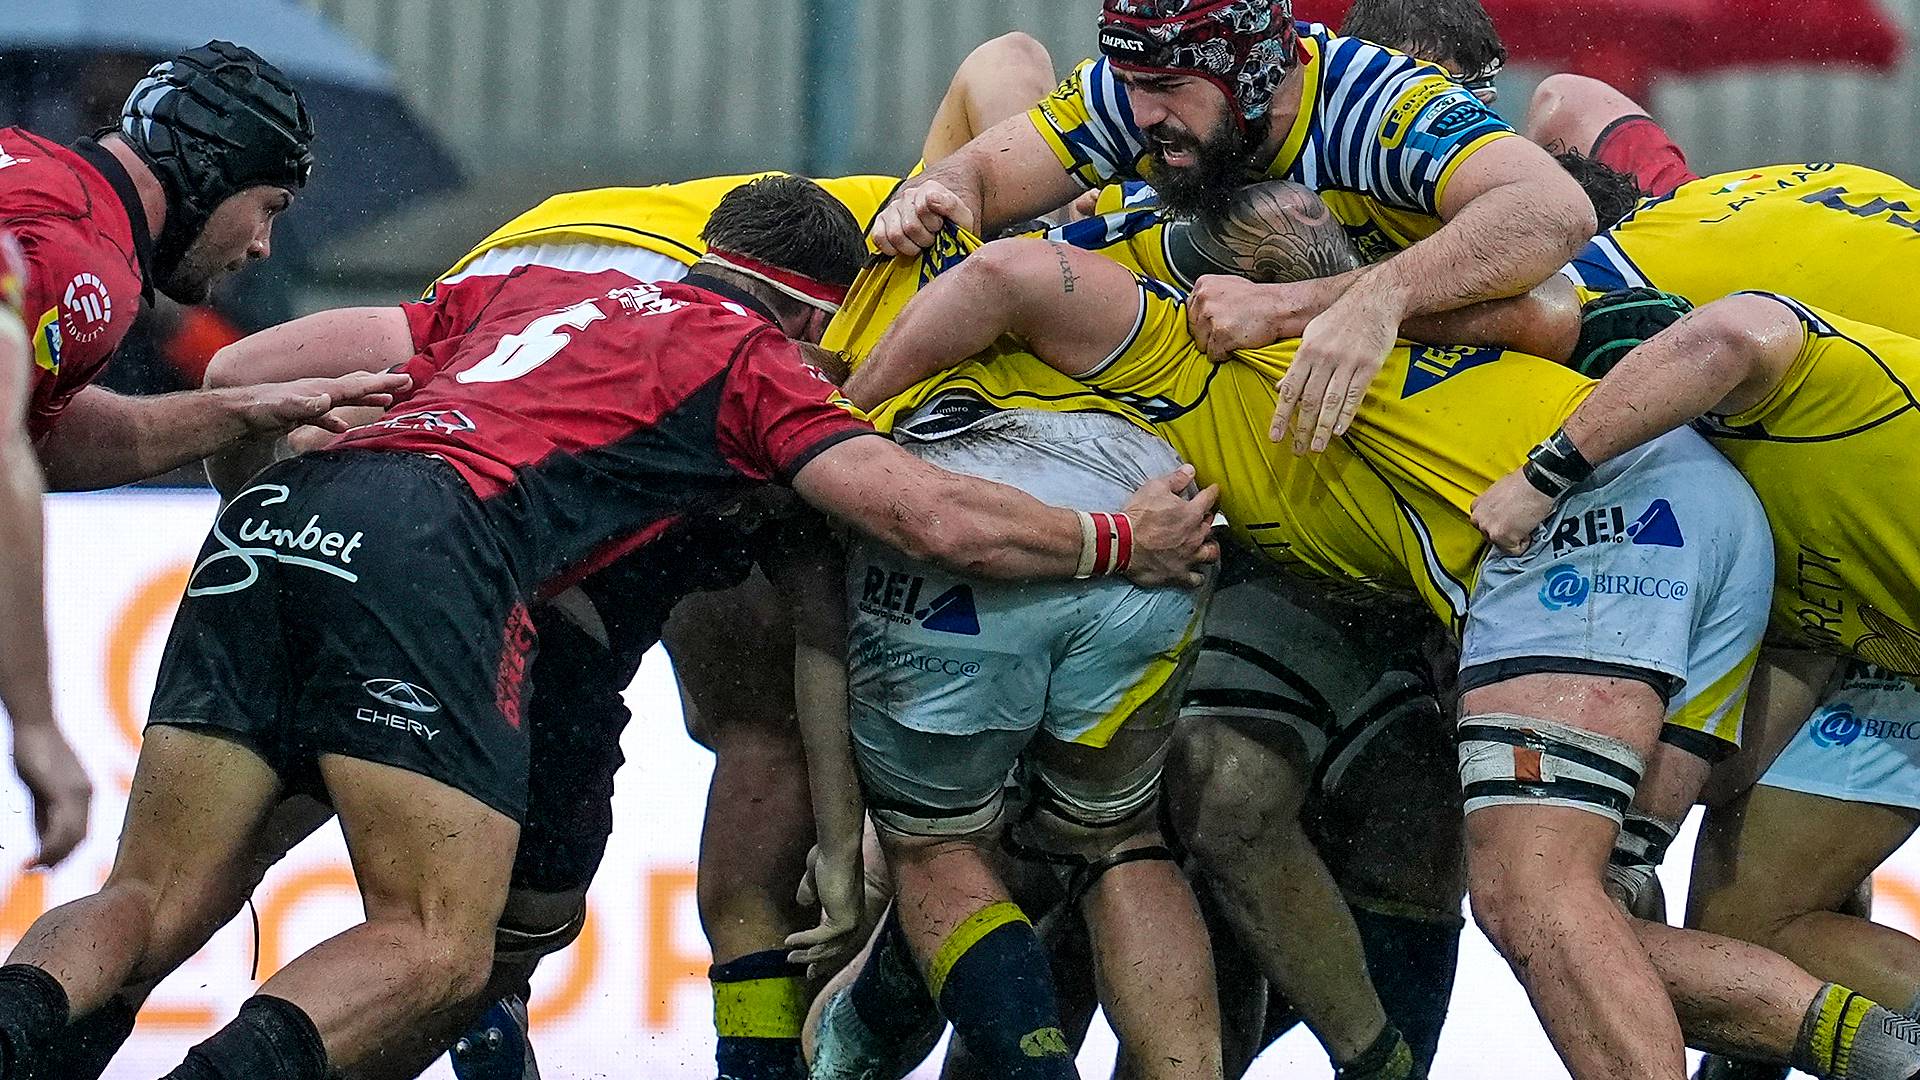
[1650,585]
[1787,685]
[422,851]
[198,805]
[1115,695]
[1778,853]
[1387,818]
[1840,798]
[947,682]
[575,717]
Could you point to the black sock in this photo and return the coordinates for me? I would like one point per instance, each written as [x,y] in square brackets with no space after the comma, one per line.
[1412,959]
[889,995]
[33,1012]
[85,1049]
[995,987]
[270,1038]
[759,1007]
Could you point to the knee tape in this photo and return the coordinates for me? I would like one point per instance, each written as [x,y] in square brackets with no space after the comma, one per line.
[514,944]
[1106,804]
[1508,760]
[1637,852]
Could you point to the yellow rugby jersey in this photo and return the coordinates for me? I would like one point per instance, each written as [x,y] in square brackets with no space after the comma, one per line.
[1005,377]
[1841,238]
[1847,553]
[1387,504]
[664,218]
[1378,134]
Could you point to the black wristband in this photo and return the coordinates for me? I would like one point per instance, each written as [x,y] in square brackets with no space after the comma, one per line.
[1556,466]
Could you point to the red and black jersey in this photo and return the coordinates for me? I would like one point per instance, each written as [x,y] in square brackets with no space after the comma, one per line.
[84,232]
[588,411]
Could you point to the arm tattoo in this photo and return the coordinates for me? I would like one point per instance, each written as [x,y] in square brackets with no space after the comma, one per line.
[1067,277]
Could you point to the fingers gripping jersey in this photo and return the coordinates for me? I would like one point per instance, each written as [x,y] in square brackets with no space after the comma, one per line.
[663,218]
[1840,238]
[1386,505]
[1006,377]
[1378,134]
[1830,453]
[590,410]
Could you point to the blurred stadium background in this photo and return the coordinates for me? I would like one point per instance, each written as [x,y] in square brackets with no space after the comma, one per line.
[449,116]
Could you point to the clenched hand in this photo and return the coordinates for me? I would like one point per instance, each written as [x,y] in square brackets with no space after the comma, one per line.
[1173,540]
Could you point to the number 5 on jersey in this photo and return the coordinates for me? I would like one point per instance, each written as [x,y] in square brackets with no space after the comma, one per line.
[540,342]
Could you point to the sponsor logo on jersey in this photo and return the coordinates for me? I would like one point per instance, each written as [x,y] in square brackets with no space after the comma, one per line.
[1645,586]
[47,341]
[445,421]
[1564,588]
[1655,527]
[1840,725]
[402,694]
[395,722]
[1897,212]
[645,299]
[895,596]
[1457,118]
[310,544]
[1399,120]
[86,309]
[883,655]
[1430,366]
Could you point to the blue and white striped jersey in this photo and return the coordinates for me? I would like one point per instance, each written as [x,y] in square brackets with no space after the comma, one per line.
[1378,134]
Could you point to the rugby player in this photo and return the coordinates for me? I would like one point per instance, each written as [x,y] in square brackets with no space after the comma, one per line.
[55,782]
[1834,236]
[1535,692]
[433,827]
[1456,34]
[1237,90]
[954,681]
[592,640]
[208,180]
[1577,114]
[1810,406]
[210,149]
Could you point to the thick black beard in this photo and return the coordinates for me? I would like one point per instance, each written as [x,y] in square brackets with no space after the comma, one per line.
[1203,189]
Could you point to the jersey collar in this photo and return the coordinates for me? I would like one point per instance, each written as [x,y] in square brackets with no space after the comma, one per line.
[732,292]
[117,178]
[1310,71]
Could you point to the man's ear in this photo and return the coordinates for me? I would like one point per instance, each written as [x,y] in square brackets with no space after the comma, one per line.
[814,326]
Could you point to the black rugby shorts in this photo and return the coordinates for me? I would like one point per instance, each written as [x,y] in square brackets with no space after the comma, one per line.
[356,602]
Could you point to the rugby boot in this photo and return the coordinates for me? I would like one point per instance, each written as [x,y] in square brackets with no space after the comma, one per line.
[1715,1067]
[497,1047]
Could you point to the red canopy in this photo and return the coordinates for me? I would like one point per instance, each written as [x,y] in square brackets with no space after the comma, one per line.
[1629,42]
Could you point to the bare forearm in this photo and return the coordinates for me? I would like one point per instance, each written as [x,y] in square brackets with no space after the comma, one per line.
[104,439]
[25,688]
[1664,384]
[1544,322]
[820,694]
[1499,245]
[950,320]
[808,571]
